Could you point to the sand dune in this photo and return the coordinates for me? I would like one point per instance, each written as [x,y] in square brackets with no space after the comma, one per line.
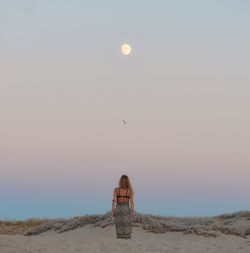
[96,233]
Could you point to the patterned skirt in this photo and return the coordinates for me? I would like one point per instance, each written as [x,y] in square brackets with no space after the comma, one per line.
[123,220]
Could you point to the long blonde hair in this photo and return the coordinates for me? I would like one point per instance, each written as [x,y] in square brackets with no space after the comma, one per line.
[124,183]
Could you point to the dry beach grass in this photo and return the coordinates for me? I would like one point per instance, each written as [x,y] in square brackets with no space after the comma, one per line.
[151,233]
[237,224]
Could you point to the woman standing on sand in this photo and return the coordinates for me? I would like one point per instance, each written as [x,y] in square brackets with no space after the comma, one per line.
[123,213]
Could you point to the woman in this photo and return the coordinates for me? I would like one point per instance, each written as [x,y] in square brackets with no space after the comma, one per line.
[123,212]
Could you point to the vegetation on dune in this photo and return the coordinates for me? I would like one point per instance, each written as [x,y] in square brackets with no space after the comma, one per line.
[237,223]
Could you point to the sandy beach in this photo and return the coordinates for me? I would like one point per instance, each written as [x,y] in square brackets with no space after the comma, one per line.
[103,240]
[96,234]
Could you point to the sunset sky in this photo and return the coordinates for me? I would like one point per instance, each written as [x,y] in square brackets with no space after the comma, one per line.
[65,89]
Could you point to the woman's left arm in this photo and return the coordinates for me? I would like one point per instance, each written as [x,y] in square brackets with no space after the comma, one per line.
[114,201]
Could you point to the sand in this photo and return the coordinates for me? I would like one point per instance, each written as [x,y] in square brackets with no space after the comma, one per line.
[89,239]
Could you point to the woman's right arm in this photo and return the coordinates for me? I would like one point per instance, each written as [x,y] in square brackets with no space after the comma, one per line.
[131,199]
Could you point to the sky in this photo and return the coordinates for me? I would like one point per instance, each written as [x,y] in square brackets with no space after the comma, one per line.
[65,89]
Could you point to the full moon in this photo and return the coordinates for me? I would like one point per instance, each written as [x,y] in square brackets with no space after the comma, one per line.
[126,49]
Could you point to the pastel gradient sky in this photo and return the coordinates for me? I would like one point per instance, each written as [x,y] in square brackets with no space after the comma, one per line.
[65,89]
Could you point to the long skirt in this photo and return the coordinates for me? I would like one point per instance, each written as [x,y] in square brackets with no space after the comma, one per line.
[123,220]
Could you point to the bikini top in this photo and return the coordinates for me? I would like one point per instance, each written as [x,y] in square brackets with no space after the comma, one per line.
[122,195]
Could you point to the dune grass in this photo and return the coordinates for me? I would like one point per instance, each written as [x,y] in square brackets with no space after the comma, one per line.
[237,223]
[20,226]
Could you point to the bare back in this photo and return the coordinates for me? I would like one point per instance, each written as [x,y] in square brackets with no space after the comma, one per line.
[122,195]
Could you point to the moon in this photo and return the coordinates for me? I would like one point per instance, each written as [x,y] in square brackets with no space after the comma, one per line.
[126,49]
